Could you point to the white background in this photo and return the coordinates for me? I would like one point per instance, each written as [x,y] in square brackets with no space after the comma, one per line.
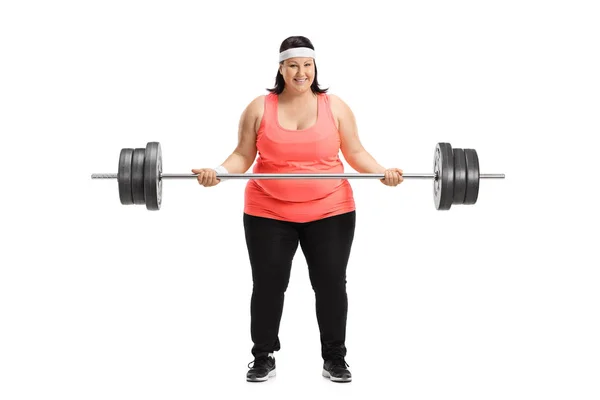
[493,301]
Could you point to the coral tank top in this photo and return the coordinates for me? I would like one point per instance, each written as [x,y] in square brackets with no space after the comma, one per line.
[312,150]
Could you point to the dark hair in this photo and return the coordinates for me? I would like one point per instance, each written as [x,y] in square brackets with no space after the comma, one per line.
[290,43]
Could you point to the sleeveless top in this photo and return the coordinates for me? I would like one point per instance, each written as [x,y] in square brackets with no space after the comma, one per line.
[312,150]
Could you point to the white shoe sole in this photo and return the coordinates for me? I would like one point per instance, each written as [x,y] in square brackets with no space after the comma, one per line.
[271,374]
[326,374]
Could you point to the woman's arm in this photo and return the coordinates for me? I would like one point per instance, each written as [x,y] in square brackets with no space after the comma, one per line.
[352,149]
[244,154]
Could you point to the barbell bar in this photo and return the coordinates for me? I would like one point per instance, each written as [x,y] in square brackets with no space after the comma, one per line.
[456,176]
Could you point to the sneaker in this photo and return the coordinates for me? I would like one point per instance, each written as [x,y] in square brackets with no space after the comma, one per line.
[335,369]
[263,368]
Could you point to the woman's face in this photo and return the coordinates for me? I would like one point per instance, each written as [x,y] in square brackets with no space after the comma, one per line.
[298,74]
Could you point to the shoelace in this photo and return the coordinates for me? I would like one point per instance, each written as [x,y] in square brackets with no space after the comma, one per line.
[259,362]
[339,362]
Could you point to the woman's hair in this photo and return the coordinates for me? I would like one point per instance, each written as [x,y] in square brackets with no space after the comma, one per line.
[290,43]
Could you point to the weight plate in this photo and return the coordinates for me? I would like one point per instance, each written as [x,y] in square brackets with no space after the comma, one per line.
[460,176]
[124,176]
[472,176]
[152,173]
[137,176]
[443,167]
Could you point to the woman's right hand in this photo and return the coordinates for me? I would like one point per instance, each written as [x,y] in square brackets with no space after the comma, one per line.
[207,176]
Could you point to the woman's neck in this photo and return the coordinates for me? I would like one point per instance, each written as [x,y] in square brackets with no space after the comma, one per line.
[297,98]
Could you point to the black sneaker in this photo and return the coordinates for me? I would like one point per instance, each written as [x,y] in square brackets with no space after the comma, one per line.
[335,369]
[263,368]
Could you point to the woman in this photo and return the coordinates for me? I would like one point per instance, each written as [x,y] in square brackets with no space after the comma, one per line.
[298,128]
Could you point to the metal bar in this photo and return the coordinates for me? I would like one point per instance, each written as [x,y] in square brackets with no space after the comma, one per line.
[491,176]
[104,176]
[298,176]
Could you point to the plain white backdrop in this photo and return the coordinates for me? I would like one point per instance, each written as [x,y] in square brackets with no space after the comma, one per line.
[492,301]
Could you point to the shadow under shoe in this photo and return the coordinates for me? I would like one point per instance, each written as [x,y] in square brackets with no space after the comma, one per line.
[336,370]
[262,370]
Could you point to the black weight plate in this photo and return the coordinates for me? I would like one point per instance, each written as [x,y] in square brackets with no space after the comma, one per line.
[124,176]
[472,176]
[137,179]
[460,176]
[443,167]
[152,173]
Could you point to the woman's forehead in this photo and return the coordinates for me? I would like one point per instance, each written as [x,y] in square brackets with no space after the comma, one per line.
[299,59]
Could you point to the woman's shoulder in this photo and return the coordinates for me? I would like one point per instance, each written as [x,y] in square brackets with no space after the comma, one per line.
[338,106]
[259,100]
[256,106]
[336,100]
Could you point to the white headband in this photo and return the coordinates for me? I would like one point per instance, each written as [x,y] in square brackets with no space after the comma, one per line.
[296,52]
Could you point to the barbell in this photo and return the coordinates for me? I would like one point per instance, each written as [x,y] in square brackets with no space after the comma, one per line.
[455,176]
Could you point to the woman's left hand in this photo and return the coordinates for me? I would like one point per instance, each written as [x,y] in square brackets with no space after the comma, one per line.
[393,177]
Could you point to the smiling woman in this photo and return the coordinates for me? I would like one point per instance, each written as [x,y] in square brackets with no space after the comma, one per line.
[298,128]
[303,62]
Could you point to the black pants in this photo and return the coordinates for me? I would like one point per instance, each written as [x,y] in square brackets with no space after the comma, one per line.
[326,245]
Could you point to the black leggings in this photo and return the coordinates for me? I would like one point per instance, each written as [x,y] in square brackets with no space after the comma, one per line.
[326,245]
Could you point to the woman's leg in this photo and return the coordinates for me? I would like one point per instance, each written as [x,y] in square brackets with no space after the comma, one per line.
[326,245]
[271,247]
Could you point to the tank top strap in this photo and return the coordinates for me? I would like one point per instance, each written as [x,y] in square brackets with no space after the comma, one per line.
[325,106]
[270,105]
